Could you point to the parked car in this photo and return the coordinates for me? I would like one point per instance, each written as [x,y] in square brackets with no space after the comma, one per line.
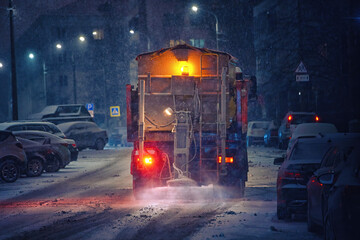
[62,155]
[12,157]
[290,122]
[30,125]
[40,136]
[271,135]
[86,134]
[342,214]
[36,154]
[310,130]
[63,113]
[341,145]
[256,132]
[294,173]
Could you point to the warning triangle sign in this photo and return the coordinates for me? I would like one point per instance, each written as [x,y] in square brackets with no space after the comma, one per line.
[301,68]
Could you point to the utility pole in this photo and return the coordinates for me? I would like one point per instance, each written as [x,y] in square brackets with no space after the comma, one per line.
[15,115]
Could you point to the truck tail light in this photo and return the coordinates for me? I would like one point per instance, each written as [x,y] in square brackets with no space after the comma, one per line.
[148,160]
[317,118]
[227,159]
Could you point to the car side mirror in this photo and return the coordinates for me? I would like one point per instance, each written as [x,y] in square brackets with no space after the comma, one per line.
[47,141]
[326,178]
[279,161]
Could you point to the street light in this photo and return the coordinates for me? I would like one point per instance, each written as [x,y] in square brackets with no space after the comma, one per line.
[1,65]
[31,56]
[82,39]
[195,9]
[58,46]
[132,32]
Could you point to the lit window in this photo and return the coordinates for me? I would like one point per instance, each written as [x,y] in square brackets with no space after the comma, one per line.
[197,42]
[98,34]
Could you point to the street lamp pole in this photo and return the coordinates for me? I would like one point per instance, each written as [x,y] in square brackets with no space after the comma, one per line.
[74,76]
[195,9]
[44,79]
[15,114]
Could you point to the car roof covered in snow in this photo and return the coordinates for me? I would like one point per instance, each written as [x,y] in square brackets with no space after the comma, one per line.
[65,126]
[313,129]
[5,125]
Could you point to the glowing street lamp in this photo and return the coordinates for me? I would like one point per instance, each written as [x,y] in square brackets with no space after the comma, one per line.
[31,56]
[58,46]
[195,9]
[1,65]
[82,39]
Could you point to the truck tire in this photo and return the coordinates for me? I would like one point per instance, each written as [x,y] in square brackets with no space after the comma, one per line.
[139,184]
[9,170]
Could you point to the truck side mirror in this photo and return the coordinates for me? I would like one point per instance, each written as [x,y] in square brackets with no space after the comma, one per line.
[279,161]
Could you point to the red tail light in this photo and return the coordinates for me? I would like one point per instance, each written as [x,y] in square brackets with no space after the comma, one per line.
[293,175]
[289,118]
[317,118]
[227,159]
[74,145]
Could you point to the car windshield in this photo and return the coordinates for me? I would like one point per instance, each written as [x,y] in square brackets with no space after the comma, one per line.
[302,118]
[263,125]
[304,151]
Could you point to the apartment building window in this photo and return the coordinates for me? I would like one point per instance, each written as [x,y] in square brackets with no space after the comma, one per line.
[197,43]
[174,43]
[63,80]
[98,34]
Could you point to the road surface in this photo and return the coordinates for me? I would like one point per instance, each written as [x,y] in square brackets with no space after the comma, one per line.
[92,199]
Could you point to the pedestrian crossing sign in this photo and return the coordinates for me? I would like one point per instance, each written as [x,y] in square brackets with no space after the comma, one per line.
[115,111]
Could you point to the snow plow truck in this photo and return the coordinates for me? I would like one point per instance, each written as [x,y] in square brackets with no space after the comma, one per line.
[187,118]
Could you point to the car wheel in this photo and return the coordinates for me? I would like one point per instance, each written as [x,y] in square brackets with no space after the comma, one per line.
[311,226]
[53,164]
[9,171]
[282,213]
[99,144]
[35,167]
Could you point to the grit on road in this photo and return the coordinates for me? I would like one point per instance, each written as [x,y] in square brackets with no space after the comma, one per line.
[92,199]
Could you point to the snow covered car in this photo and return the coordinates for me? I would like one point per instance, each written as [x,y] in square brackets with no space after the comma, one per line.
[85,134]
[342,214]
[40,136]
[256,132]
[294,173]
[271,135]
[341,145]
[12,157]
[290,122]
[36,154]
[62,155]
[30,125]
[63,113]
[308,130]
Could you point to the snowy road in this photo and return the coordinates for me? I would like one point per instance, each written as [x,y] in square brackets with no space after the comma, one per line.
[92,199]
